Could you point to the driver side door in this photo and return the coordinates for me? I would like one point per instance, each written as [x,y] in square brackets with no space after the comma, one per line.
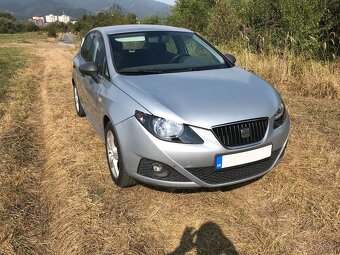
[91,87]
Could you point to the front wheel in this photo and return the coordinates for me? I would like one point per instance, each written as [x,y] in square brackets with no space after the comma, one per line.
[114,159]
[79,108]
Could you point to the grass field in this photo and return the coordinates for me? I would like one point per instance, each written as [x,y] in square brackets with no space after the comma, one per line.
[57,197]
[11,60]
[22,38]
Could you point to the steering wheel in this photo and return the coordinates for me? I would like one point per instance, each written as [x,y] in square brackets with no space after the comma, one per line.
[177,57]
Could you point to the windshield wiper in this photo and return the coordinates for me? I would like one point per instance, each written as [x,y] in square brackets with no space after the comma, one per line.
[201,68]
[141,71]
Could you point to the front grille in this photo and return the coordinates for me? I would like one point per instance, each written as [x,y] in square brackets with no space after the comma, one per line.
[230,135]
[232,174]
[145,169]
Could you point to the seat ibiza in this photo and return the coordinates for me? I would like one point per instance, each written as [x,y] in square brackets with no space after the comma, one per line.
[174,111]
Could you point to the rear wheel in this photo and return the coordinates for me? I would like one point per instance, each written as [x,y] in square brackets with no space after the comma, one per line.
[79,108]
[114,159]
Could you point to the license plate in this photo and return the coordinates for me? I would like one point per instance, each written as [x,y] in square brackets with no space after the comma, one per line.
[241,158]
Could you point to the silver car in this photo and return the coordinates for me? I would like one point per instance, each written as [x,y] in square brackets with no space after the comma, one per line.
[173,111]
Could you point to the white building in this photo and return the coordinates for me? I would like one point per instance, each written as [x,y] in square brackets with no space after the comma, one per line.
[51,18]
[64,18]
[38,20]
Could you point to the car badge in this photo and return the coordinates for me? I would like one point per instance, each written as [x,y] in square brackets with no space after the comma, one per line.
[245,133]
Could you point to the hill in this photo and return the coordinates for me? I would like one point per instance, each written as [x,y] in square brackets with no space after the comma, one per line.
[141,8]
[24,9]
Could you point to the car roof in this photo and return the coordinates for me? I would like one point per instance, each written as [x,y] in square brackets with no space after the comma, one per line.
[138,28]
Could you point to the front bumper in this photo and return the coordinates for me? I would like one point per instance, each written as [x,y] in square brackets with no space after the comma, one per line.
[193,164]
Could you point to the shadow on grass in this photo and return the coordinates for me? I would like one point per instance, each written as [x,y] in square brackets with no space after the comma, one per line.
[208,240]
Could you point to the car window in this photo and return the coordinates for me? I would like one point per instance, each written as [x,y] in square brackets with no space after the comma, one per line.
[97,52]
[159,52]
[131,43]
[86,47]
[196,49]
[171,46]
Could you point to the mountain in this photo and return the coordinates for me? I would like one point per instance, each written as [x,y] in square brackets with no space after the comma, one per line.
[24,9]
[144,8]
[141,8]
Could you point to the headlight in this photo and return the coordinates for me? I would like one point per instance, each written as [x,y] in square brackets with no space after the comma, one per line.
[279,112]
[168,130]
[280,116]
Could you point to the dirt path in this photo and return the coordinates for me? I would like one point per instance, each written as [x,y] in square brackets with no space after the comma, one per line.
[78,210]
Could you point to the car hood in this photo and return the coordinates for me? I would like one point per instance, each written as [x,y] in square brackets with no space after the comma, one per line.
[203,98]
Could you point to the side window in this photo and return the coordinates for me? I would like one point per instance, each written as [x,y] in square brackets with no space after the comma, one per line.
[98,53]
[86,47]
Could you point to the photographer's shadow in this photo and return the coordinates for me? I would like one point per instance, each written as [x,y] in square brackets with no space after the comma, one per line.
[207,240]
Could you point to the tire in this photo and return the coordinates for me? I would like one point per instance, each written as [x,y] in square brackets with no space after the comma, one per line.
[114,159]
[79,107]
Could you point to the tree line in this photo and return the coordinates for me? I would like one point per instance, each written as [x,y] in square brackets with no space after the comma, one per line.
[311,27]
[9,24]
[308,26]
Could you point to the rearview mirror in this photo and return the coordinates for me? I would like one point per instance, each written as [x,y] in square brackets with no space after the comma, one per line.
[230,57]
[91,69]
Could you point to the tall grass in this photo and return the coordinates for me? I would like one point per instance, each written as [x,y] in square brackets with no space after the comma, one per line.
[291,73]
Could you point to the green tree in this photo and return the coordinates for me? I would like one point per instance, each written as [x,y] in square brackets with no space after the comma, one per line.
[330,22]
[113,16]
[51,30]
[225,21]
[152,19]
[192,14]
[301,20]
[7,15]
[30,26]
[7,26]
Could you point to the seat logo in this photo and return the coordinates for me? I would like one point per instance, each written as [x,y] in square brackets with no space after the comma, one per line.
[245,133]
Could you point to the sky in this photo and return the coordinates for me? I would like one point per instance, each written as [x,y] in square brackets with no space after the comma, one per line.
[172,2]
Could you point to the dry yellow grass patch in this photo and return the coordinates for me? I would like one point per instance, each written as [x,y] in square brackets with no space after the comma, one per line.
[292,210]
[295,75]
[21,212]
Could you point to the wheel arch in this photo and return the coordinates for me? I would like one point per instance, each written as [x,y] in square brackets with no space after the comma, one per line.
[106,120]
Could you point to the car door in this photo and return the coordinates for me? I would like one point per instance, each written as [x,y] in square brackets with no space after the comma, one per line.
[83,56]
[91,87]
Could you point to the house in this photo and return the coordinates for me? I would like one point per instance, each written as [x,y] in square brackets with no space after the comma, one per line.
[51,18]
[38,20]
[64,18]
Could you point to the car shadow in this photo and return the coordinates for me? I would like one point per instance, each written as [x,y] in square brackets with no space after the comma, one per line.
[208,240]
[197,190]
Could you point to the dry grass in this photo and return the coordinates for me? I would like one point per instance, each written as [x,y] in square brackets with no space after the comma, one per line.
[294,74]
[69,197]
[21,211]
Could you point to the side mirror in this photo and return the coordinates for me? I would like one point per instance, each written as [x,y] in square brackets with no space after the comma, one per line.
[91,69]
[230,57]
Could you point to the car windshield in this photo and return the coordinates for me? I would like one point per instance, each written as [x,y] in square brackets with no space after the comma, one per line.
[163,52]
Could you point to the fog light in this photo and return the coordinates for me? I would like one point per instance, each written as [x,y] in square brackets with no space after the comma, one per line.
[160,170]
[157,168]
